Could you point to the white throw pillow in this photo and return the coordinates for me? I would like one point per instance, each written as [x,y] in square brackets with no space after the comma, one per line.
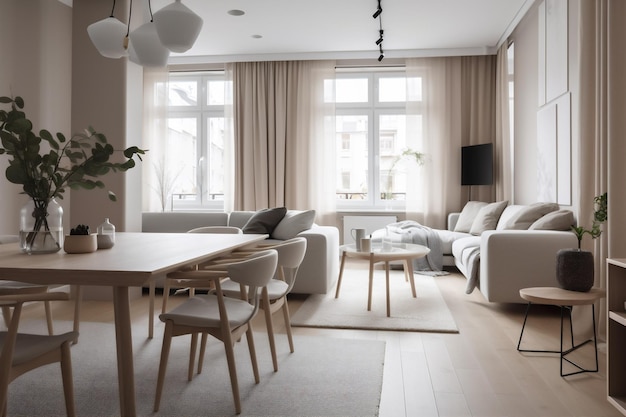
[487,218]
[467,216]
[530,214]
[557,220]
[293,223]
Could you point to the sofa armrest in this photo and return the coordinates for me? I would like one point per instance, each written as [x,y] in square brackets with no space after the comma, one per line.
[320,267]
[514,259]
[453,218]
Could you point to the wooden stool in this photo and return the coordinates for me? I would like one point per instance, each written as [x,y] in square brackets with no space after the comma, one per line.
[566,300]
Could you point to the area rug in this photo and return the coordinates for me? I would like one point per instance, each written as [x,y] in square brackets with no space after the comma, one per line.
[426,313]
[323,377]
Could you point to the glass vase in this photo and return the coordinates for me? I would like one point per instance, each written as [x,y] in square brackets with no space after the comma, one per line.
[41,226]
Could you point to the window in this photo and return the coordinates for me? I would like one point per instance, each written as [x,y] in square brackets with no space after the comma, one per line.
[194,171]
[373,148]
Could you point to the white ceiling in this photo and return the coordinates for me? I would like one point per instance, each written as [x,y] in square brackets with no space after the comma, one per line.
[345,29]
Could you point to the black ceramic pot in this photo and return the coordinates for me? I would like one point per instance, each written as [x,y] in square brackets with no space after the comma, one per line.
[574,270]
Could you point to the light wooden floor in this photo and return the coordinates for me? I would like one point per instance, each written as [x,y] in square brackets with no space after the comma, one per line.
[477,372]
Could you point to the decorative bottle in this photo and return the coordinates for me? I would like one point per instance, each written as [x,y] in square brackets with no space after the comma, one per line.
[106,235]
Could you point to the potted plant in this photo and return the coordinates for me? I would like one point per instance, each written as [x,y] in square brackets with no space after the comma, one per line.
[407,154]
[575,267]
[46,172]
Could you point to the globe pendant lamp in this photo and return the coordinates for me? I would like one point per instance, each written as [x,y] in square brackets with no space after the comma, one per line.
[145,47]
[178,27]
[108,35]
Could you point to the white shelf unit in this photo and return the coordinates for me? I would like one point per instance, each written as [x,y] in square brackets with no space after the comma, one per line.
[616,333]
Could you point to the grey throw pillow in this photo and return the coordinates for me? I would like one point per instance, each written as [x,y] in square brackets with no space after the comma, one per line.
[264,221]
[487,218]
[467,216]
[529,214]
[293,223]
[557,220]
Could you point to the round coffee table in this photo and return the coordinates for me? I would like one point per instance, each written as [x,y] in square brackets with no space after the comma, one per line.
[404,252]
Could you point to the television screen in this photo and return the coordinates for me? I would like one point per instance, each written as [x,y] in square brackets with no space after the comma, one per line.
[477,164]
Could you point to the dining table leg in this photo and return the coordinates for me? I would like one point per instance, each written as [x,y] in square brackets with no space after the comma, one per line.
[151,295]
[124,342]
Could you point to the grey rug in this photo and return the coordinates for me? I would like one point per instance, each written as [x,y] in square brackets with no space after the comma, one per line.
[323,377]
[426,313]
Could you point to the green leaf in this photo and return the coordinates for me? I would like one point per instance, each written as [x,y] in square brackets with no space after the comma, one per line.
[112,196]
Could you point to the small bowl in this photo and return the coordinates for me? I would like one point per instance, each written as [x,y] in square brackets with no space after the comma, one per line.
[80,243]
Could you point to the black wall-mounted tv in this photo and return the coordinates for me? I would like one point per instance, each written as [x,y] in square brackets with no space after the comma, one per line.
[477,164]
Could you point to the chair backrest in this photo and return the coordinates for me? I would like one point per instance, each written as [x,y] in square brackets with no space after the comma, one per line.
[255,271]
[217,229]
[291,252]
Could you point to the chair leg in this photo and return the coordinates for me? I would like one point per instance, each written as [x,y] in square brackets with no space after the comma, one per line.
[78,302]
[68,383]
[165,352]
[192,355]
[251,348]
[232,369]
[166,294]
[46,305]
[202,350]
[270,329]
[288,324]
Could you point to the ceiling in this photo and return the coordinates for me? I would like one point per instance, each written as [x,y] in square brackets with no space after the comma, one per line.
[345,29]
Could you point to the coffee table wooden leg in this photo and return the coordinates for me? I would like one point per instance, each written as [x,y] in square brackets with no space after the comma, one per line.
[409,269]
[387,288]
[343,261]
[371,283]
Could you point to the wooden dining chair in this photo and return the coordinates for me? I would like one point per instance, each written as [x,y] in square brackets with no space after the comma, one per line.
[167,284]
[21,353]
[274,296]
[224,318]
[17,287]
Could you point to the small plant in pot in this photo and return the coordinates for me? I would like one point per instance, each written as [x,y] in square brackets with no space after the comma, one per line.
[80,240]
[575,267]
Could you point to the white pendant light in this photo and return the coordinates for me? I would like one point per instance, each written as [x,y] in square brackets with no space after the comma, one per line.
[178,27]
[108,35]
[145,47]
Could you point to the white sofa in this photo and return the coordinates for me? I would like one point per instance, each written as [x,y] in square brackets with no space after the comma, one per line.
[318,271]
[504,256]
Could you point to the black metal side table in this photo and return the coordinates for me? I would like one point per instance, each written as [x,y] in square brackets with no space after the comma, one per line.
[566,300]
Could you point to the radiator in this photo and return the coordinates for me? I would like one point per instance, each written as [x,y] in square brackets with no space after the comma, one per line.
[369,223]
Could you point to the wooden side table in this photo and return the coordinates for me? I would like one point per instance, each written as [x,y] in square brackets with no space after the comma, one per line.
[405,252]
[566,300]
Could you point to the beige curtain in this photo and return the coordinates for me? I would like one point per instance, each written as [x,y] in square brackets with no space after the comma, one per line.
[457,108]
[283,136]
[594,129]
[155,165]
[478,111]
[503,161]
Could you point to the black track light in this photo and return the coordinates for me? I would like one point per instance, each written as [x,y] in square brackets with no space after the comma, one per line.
[379,42]
[378,11]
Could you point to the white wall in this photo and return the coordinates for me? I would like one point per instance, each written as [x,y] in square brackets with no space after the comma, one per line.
[35,64]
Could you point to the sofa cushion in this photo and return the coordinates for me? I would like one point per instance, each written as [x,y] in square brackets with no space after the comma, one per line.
[265,221]
[294,222]
[528,215]
[487,218]
[467,216]
[447,238]
[556,220]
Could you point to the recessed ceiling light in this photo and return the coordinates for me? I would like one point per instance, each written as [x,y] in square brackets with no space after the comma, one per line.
[236,12]
[257,36]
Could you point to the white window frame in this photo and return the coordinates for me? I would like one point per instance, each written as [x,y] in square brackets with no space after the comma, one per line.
[203,112]
[373,109]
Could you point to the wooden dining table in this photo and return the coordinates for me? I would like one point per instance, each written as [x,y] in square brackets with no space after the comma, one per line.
[136,260]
